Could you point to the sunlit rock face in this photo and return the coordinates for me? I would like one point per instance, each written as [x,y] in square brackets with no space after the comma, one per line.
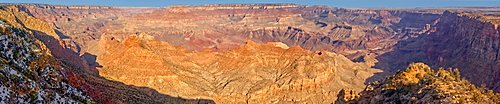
[252,73]
[420,84]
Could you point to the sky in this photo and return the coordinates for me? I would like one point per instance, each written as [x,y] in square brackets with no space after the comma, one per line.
[332,3]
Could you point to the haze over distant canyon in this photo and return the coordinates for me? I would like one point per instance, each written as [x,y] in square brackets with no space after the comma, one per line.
[253,53]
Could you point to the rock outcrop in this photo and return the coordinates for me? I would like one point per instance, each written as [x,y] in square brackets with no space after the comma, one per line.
[28,75]
[252,73]
[460,40]
[420,84]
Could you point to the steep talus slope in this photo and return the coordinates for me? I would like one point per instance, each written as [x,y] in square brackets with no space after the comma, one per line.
[42,31]
[39,69]
[420,84]
[30,76]
[252,73]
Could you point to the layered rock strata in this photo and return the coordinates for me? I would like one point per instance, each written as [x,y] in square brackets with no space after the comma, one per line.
[252,73]
[470,41]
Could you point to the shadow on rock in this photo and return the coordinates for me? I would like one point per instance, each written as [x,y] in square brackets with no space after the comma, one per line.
[405,52]
[81,73]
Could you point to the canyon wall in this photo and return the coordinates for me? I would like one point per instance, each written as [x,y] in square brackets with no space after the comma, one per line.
[470,41]
[78,25]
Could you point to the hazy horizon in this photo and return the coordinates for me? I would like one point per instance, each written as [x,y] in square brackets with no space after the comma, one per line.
[333,3]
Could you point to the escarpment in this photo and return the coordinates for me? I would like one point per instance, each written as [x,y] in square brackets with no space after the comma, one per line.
[78,25]
[223,27]
[470,41]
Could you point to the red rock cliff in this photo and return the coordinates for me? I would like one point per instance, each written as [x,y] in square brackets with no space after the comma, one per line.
[252,73]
